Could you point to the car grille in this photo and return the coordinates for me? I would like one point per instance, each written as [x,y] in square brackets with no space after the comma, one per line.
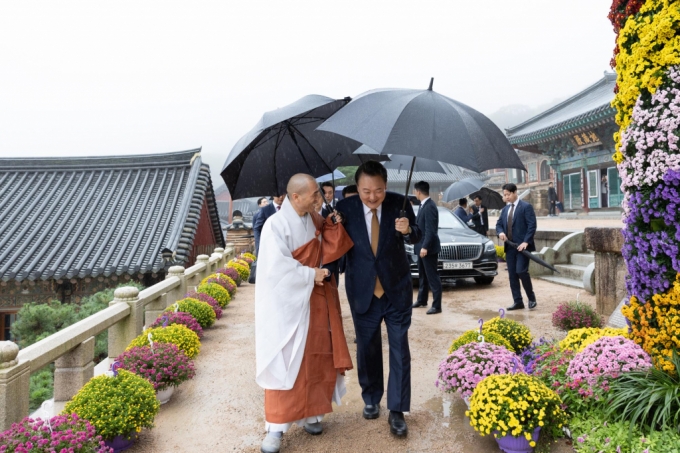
[460,252]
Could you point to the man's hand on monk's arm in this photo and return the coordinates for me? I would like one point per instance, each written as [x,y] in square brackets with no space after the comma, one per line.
[320,274]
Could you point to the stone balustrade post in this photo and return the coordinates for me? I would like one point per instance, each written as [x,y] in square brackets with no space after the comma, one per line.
[73,370]
[205,259]
[231,252]
[14,385]
[222,262]
[124,331]
[179,292]
[610,267]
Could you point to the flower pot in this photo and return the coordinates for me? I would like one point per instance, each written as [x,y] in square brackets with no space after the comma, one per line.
[120,443]
[164,396]
[517,444]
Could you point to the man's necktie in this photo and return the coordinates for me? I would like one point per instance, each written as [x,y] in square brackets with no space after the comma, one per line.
[375,237]
[512,211]
[278,208]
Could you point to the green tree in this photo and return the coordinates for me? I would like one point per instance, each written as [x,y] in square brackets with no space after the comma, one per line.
[349,176]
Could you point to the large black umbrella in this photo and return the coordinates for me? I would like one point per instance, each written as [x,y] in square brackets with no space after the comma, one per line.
[424,124]
[284,142]
[533,257]
[462,188]
[403,163]
[490,198]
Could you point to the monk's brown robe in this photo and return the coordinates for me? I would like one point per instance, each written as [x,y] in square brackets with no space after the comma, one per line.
[326,353]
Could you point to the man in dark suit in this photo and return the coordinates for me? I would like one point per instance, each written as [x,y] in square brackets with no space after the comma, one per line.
[552,199]
[480,216]
[264,214]
[261,204]
[462,210]
[379,287]
[328,198]
[427,250]
[517,223]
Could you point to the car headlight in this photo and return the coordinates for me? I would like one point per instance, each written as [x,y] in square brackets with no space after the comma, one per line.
[409,248]
[489,247]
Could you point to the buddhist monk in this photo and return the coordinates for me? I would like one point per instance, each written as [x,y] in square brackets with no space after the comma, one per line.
[301,349]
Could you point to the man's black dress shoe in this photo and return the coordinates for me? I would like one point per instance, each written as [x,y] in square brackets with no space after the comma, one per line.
[397,424]
[434,311]
[371,411]
[532,304]
[416,305]
[516,307]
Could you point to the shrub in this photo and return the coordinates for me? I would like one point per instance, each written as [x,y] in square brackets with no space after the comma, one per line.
[208,300]
[183,337]
[163,366]
[116,406]
[650,399]
[249,261]
[575,315]
[517,334]
[242,269]
[471,336]
[185,319]
[215,291]
[500,252]
[514,404]
[41,387]
[223,280]
[201,311]
[231,273]
[249,255]
[578,339]
[607,358]
[36,321]
[468,365]
[60,433]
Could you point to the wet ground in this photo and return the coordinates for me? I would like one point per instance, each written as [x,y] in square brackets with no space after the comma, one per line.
[222,408]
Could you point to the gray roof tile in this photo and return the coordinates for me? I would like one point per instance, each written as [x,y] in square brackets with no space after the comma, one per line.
[85,217]
[591,104]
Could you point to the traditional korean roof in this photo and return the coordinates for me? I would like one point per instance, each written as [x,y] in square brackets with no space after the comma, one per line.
[77,217]
[453,174]
[587,108]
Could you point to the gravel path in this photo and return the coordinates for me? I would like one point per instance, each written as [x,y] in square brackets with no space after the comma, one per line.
[222,408]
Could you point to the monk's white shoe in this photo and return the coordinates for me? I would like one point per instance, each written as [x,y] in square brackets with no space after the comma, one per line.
[314,428]
[271,444]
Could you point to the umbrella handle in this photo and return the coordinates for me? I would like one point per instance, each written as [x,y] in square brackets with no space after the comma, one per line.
[402,213]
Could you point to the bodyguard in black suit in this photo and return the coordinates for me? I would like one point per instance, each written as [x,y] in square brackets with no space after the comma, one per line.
[517,223]
[263,215]
[378,283]
[427,250]
[480,216]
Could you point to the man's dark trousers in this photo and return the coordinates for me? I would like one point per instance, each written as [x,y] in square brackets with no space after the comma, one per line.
[518,270]
[551,211]
[370,359]
[429,279]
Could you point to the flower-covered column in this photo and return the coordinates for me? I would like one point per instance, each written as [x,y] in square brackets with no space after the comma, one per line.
[647,60]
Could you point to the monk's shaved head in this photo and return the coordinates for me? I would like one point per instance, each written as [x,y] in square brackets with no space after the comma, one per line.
[301,184]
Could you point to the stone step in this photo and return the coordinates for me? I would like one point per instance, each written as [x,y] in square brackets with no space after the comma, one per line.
[572,271]
[582,259]
[563,281]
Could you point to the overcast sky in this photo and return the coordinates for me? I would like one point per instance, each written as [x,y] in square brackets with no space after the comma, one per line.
[95,77]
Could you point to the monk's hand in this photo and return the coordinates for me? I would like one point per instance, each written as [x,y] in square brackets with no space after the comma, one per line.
[320,274]
[337,217]
[522,246]
[402,225]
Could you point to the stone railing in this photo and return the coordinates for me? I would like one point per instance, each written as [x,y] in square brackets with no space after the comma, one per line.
[72,349]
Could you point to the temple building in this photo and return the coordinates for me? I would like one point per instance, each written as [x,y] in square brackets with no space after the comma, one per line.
[571,144]
[70,227]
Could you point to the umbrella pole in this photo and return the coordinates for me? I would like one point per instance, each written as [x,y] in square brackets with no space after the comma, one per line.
[402,213]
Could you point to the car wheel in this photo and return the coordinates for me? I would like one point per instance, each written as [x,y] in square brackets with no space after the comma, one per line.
[484,280]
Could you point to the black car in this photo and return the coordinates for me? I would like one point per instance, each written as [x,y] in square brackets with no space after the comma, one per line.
[464,252]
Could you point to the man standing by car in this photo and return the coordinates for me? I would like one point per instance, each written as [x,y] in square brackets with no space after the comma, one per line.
[479,216]
[427,250]
[552,198]
[462,210]
[517,223]
[379,287]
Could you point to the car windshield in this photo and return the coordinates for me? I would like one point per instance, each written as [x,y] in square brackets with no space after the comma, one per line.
[447,220]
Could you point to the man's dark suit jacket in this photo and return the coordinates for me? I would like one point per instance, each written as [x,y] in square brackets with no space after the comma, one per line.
[477,218]
[523,224]
[462,214]
[260,217]
[428,222]
[391,264]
